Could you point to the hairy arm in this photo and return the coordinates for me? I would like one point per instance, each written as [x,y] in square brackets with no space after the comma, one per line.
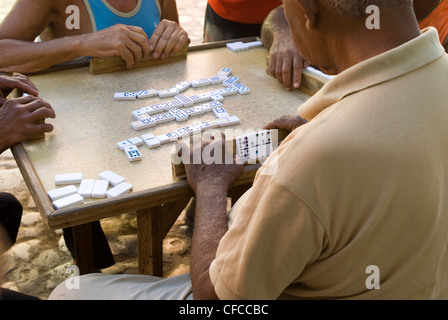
[210,183]
[19,29]
[210,226]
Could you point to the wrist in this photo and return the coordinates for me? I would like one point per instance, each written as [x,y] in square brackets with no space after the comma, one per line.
[78,45]
[206,189]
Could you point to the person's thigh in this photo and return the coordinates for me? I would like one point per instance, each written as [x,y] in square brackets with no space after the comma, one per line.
[124,287]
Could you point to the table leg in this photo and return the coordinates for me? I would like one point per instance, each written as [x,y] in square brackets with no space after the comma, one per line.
[152,226]
[82,238]
[150,241]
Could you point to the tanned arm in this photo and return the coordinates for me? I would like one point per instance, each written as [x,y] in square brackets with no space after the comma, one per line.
[210,183]
[210,226]
[29,18]
[285,61]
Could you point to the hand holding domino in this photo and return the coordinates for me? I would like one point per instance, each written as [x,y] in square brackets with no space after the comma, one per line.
[201,175]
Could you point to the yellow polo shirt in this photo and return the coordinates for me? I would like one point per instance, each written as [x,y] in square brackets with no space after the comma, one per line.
[363,186]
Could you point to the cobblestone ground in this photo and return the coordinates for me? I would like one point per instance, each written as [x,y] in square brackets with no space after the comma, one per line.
[38,261]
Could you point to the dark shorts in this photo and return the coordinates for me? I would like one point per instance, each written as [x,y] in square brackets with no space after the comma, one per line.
[217,28]
[10,215]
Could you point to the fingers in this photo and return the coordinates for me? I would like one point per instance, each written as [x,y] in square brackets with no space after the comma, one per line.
[286,66]
[286,74]
[288,123]
[297,71]
[167,39]
[194,150]
[136,45]
[128,42]
[288,71]
[19,81]
[25,84]
[33,109]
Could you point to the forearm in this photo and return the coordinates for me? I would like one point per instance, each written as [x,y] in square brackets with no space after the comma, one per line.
[27,57]
[274,25]
[209,227]
[169,10]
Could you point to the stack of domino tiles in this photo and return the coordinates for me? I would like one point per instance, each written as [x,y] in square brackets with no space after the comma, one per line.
[69,195]
[254,146]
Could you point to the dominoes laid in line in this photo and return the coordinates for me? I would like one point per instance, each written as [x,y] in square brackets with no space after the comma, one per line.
[220,113]
[164,117]
[125,96]
[217,97]
[179,114]
[172,114]
[143,124]
[128,142]
[186,131]
[151,141]
[224,72]
[132,153]
[226,92]
[201,82]
[187,101]
[168,93]
[230,81]
[179,87]
[182,86]
[242,89]
[146,94]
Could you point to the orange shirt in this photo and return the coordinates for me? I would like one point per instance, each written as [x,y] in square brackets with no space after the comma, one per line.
[438,19]
[244,11]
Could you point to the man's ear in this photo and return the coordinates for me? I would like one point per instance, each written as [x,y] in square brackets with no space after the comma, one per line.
[311,9]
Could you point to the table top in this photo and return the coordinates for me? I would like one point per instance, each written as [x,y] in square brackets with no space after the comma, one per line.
[89,123]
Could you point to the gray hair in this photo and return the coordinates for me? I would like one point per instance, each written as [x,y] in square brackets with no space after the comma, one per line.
[355,8]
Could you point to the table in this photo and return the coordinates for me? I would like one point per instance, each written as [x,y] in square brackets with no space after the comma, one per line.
[89,123]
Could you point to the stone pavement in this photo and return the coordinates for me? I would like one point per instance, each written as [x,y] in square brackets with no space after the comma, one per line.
[38,260]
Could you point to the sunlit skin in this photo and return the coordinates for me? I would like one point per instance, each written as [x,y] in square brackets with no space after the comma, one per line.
[320,30]
[47,18]
[286,63]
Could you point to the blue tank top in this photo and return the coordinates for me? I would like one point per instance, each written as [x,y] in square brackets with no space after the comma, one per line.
[146,15]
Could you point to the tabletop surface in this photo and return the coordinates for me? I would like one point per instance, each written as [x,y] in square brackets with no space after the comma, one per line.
[89,122]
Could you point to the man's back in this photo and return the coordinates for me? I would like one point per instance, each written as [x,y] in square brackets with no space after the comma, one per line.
[362,185]
[378,159]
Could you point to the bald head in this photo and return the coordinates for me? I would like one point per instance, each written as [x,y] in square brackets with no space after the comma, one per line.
[355,8]
[333,34]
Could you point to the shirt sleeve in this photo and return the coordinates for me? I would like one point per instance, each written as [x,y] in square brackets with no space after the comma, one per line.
[272,239]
